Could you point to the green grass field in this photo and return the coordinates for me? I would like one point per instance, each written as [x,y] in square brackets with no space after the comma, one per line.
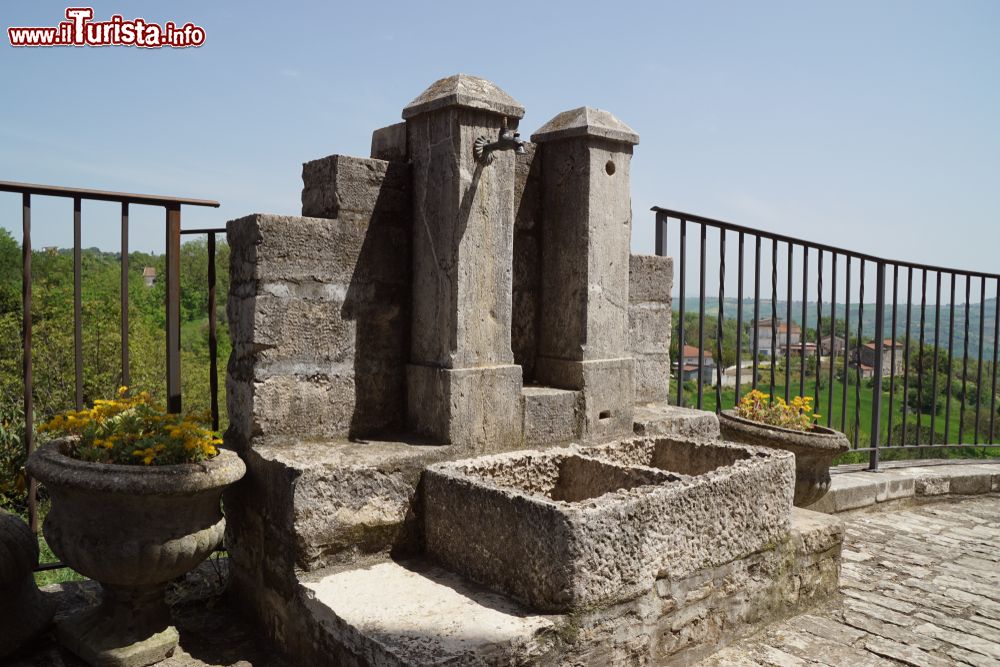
[864,409]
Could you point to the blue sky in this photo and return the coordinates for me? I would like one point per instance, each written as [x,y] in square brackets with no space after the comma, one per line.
[869,125]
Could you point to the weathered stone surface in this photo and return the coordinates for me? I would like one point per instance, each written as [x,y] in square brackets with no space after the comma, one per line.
[654,419]
[586,122]
[857,490]
[478,409]
[340,184]
[651,279]
[732,501]
[389,143]
[908,585]
[608,392]
[330,501]
[462,90]
[649,332]
[24,612]
[652,377]
[584,272]
[134,530]
[319,318]
[280,248]
[551,415]
[463,237]
[462,384]
[549,529]
[814,451]
[585,249]
[412,613]
[213,632]
[650,282]
[527,263]
[566,532]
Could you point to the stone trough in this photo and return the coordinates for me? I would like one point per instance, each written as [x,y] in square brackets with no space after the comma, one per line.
[577,528]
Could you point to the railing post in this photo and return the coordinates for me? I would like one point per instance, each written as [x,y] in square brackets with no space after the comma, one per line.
[173,307]
[876,435]
[126,376]
[26,368]
[661,237]
[213,345]
[77,303]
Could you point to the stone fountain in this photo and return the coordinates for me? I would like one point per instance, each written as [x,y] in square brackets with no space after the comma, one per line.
[449,382]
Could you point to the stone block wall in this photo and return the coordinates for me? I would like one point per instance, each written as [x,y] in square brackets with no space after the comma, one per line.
[686,619]
[319,307]
[527,295]
[651,279]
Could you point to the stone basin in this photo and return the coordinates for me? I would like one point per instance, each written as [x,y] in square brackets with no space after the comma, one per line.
[734,499]
[575,528]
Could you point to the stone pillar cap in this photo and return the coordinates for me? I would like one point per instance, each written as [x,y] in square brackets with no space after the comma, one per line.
[462,90]
[586,122]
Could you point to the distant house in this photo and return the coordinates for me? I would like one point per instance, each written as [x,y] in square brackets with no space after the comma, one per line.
[831,345]
[867,356]
[149,275]
[689,365]
[766,329]
[810,349]
[746,376]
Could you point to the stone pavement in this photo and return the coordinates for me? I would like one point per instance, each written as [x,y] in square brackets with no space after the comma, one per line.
[920,586]
[213,632]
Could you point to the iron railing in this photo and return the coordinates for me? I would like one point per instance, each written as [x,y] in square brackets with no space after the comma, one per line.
[781,252]
[172,208]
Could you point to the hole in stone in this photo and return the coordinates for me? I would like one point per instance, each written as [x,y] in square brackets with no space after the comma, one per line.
[609,167]
[605,414]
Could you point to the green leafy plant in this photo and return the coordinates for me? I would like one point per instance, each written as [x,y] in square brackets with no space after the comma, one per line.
[760,407]
[134,430]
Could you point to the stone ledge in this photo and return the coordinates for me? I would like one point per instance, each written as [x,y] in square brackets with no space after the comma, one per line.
[664,419]
[860,489]
[410,613]
[334,499]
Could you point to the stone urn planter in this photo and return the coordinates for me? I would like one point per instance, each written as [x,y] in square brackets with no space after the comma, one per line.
[133,529]
[814,451]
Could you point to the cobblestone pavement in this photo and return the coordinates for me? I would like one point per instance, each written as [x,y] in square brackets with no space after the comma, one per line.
[920,586]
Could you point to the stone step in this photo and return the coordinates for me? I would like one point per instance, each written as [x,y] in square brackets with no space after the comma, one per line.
[857,490]
[551,416]
[415,613]
[665,419]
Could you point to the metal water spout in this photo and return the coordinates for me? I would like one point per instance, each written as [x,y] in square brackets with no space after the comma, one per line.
[507,140]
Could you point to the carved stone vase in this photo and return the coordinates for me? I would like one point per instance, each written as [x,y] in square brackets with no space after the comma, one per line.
[814,451]
[133,529]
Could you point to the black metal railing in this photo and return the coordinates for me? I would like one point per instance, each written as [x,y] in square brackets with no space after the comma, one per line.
[832,334]
[172,208]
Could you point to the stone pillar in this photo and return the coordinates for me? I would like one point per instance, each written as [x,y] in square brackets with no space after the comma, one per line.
[462,384]
[586,233]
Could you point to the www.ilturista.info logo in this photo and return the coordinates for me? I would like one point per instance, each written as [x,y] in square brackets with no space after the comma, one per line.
[80,30]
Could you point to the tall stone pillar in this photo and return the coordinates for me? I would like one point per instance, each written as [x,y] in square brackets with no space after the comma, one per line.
[463,386]
[586,233]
